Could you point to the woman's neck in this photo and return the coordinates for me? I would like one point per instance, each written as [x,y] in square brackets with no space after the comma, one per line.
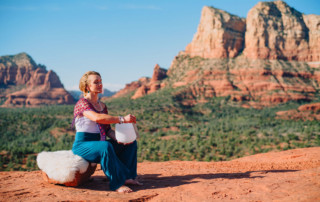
[93,98]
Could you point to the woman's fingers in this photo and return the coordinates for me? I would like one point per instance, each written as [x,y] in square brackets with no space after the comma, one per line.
[133,118]
[130,118]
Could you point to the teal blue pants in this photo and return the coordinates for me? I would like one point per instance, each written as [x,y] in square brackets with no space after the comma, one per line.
[118,162]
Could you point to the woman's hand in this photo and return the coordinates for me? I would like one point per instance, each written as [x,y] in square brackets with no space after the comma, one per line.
[130,119]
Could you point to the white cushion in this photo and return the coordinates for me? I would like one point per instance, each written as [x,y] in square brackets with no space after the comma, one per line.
[61,165]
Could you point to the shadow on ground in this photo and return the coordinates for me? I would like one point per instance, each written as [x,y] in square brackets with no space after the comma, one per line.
[156,181]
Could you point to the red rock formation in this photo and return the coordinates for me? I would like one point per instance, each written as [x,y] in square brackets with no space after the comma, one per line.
[305,112]
[131,87]
[145,85]
[155,84]
[313,24]
[273,31]
[254,83]
[142,91]
[158,73]
[314,107]
[16,69]
[259,83]
[39,86]
[219,35]
[276,31]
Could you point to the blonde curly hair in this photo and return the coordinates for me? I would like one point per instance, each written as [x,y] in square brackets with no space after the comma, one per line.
[83,84]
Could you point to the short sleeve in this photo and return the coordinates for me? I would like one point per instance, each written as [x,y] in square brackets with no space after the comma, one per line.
[81,106]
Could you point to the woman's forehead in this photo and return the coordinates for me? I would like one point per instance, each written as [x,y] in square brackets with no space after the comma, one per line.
[94,77]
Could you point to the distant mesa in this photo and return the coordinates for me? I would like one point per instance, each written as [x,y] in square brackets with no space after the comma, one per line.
[76,94]
[271,57]
[25,83]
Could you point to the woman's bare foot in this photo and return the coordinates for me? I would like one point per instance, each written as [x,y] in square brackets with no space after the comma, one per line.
[124,189]
[133,182]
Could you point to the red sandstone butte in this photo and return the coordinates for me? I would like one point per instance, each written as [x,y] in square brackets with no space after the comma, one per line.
[219,35]
[277,31]
[145,85]
[272,30]
[29,84]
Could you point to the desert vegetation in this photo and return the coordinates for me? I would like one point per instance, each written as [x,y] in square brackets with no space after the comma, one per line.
[216,130]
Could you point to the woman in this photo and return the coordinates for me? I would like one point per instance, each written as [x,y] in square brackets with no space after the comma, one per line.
[118,161]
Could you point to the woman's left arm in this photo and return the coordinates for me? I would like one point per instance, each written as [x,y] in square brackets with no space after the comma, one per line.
[112,134]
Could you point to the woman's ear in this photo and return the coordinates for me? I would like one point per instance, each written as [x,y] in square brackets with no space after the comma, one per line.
[87,89]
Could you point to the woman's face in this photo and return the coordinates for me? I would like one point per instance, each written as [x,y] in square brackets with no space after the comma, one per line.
[95,84]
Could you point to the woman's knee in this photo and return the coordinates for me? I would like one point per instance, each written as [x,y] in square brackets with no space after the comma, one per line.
[106,146]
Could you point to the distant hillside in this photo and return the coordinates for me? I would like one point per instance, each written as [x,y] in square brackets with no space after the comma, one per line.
[24,83]
[76,94]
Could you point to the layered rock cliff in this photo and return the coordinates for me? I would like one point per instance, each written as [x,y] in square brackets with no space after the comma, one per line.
[219,35]
[254,83]
[24,83]
[277,31]
[272,30]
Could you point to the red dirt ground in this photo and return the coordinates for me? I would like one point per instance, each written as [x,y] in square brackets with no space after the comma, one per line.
[292,175]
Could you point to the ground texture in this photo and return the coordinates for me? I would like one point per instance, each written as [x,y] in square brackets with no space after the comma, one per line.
[292,175]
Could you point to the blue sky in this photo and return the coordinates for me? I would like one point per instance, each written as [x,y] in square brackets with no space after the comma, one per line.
[122,40]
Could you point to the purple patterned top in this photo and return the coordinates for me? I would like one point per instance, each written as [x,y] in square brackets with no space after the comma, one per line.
[84,105]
